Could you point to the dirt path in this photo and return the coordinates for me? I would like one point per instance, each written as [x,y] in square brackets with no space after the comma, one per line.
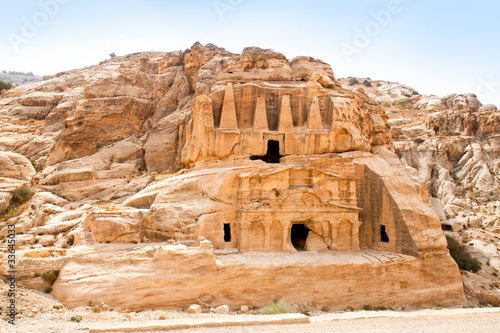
[428,321]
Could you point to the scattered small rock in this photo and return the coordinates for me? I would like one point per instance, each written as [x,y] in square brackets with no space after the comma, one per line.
[58,306]
[195,308]
[244,309]
[34,310]
[223,309]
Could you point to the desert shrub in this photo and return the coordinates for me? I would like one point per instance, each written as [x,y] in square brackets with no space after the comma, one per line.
[367,83]
[76,319]
[48,290]
[51,276]
[406,103]
[380,308]
[277,307]
[469,263]
[9,213]
[439,108]
[22,195]
[71,240]
[386,104]
[462,258]
[353,81]
[5,85]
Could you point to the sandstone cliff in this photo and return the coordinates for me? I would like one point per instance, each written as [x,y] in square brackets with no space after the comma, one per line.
[165,156]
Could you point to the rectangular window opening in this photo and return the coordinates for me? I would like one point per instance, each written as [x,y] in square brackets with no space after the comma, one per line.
[384,238]
[227,232]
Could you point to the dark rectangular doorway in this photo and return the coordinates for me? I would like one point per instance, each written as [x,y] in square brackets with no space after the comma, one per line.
[273,153]
[227,232]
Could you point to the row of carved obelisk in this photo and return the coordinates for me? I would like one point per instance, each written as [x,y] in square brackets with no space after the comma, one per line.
[229,121]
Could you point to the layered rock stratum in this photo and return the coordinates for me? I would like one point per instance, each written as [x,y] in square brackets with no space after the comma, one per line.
[159,180]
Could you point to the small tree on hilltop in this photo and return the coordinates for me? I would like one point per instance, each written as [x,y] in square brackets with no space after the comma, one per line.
[112,55]
[353,81]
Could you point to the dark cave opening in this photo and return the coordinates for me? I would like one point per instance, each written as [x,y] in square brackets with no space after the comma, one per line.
[299,236]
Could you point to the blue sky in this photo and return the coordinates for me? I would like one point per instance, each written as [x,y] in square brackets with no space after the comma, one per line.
[438,47]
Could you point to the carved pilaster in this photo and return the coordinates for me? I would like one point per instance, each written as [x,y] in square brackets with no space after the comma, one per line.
[267,235]
[286,245]
[244,235]
[353,190]
[334,228]
[355,235]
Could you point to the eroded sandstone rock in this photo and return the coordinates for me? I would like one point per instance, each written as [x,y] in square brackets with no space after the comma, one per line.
[250,169]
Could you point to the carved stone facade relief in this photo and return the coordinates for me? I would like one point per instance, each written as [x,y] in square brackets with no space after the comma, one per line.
[304,125]
[288,210]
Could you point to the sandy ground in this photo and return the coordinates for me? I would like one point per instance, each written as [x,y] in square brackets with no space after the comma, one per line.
[424,321]
[428,321]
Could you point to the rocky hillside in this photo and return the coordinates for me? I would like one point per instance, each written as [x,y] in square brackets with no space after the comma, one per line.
[397,94]
[457,154]
[19,77]
[86,140]
[454,144]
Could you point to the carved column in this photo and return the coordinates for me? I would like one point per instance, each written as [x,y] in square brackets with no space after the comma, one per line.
[267,235]
[355,235]
[244,227]
[325,230]
[286,228]
[334,234]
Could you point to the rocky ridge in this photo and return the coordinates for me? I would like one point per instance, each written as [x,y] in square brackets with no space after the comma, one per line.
[394,92]
[456,154]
